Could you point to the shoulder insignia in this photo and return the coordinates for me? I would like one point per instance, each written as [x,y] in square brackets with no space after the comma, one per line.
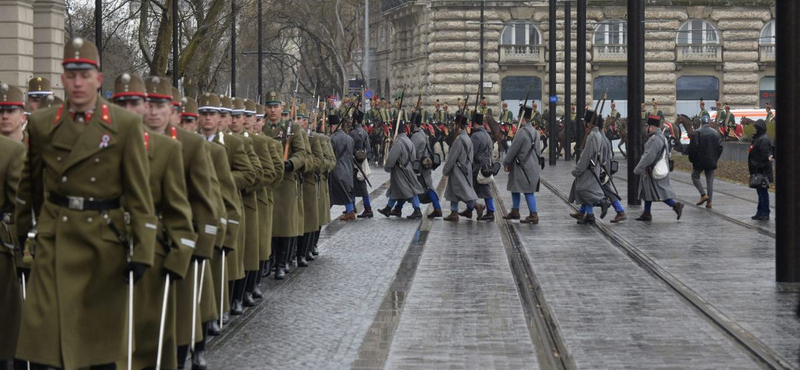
[147,141]
[173,132]
[59,112]
[105,114]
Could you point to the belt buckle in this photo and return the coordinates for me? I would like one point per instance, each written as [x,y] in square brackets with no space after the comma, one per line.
[75,203]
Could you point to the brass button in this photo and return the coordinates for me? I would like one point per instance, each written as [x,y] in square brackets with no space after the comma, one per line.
[97,160]
[89,220]
[93,179]
[58,159]
[64,179]
[64,218]
[91,199]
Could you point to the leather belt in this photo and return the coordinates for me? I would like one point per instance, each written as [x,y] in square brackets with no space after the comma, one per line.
[82,204]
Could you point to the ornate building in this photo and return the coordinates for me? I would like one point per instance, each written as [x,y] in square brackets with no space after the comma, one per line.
[723,51]
[31,41]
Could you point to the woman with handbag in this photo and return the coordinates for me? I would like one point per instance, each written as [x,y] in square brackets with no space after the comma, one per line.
[759,162]
[653,170]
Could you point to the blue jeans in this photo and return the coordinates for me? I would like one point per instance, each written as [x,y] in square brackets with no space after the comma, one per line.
[349,207]
[763,202]
[489,204]
[530,198]
[454,206]
[434,199]
[367,203]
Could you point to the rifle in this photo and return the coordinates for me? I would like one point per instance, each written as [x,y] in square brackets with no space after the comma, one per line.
[397,124]
[522,108]
[324,115]
[294,99]
[288,143]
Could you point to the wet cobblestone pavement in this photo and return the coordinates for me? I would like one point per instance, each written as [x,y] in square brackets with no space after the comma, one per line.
[698,293]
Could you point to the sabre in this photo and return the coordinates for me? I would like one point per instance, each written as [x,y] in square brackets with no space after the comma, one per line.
[524,105]
[222,290]
[194,306]
[163,323]
[397,124]
[294,99]
[202,276]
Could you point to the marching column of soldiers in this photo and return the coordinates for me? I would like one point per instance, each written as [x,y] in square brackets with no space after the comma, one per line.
[133,229]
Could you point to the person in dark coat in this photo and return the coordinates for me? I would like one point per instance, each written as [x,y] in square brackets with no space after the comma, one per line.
[341,178]
[360,147]
[424,150]
[704,150]
[650,188]
[403,185]
[482,161]
[759,161]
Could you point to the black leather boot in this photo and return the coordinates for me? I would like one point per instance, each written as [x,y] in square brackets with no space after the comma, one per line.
[213,328]
[281,247]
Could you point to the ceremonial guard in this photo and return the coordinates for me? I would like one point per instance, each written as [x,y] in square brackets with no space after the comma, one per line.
[770,117]
[403,185]
[38,90]
[728,121]
[342,178]
[315,162]
[176,239]
[12,157]
[250,199]
[483,171]
[85,155]
[703,111]
[424,165]
[458,169]
[587,189]
[287,217]
[483,110]
[269,156]
[361,172]
[324,203]
[651,188]
[522,162]
[231,207]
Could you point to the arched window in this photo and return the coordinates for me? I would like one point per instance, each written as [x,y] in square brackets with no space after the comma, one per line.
[611,33]
[767,34]
[698,32]
[521,34]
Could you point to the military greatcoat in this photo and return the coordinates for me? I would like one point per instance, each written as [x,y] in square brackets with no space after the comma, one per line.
[286,218]
[523,158]
[482,158]
[311,191]
[244,175]
[458,169]
[587,171]
[12,156]
[403,184]
[250,258]
[76,308]
[176,242]
[341,178]
[360,142]
[324,199]
[262,189]
[422,149]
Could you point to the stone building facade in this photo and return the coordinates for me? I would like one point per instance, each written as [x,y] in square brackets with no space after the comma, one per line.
[723,51]
[31,41]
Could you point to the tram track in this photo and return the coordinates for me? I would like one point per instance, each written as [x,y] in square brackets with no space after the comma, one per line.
[551,349]
[741,337]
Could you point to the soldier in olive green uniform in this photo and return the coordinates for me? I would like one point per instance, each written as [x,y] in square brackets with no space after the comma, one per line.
[38,90]
[86,154]
[250,200]
[703,111]
[286,216]
[311,191]
[207,309]
[324,204]
[176,238]
[12,157]
[273,171]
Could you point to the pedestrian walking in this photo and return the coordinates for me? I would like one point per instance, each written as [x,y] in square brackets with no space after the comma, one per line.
[705,148]
[654,177]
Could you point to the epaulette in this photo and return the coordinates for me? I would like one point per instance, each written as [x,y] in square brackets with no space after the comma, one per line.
[59,112]
[173,132]
[147,141]
[105,113]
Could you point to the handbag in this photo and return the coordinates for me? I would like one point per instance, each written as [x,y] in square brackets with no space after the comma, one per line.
[364,173]
[759,181]
[662,166]
[485,180]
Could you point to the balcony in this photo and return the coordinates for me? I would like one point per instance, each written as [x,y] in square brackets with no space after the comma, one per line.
[699,53]
[766,53]
[610,53]
[521,54]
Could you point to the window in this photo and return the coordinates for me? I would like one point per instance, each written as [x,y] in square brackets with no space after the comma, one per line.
[521,34]
[768,34]
[615,86]
[611,33]
[515,88]
[698,32]
[697,87]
